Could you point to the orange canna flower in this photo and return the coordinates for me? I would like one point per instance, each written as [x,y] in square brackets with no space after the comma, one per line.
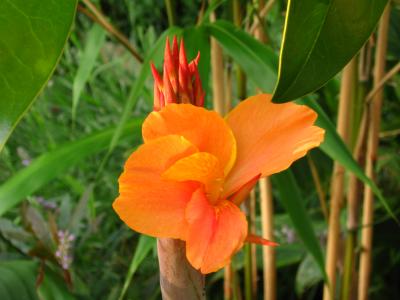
[195,168]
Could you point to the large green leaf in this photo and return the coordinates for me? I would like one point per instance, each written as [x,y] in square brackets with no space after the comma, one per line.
[17,280]
[320,37]
[51,164]
[333,145]
[33,34]
[292,201]
[252,56]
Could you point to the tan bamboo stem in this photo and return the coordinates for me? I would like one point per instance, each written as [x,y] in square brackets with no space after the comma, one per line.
[266,200]
[318,185]
[383,81]
[178,279]
[372,145]
[96,15]
[267,223]
[253,249]
[217,74]
[337,186]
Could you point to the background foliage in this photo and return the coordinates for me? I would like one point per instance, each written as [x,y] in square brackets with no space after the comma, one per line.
[60,166]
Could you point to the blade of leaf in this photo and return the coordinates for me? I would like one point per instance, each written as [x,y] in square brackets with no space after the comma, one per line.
[291,199]
[33,35]
[254,57]
[46,167]
[94,41]
[17,280]
[332,139]
[143,248]
[319,39]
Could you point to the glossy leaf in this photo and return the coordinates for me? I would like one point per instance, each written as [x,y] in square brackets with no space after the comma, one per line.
[320,37]
[17,280]
[252,56]
[51,164]
[292,201]
[33,34]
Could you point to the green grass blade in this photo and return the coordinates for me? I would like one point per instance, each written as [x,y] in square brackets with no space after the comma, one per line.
[94,41]
[143,248]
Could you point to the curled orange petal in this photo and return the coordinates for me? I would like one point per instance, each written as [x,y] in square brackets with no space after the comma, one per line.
[214,234]
[270,137]
[202,167]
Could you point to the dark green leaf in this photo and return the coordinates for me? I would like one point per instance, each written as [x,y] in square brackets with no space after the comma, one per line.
[33,34]
[320,37]
[17,280]
[51,164]
[291,199]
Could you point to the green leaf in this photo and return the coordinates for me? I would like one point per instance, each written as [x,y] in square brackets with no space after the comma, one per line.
[257,60]
[333,145]
[320,37]
[197,40]
[292,201]
[17,280]
[94,41]
[307,276]
[48,166]
[33,34]
[143,248]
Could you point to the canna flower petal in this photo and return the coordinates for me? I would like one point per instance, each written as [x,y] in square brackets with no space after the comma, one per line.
[204,129]
[201,167]
[269,137]
[147,203]
[214,234]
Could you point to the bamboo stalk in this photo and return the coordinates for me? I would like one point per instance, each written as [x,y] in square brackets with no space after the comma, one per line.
[253,249]
[217,73]
[353,200]
[178,279]
[318,185]
[267,213]
[337,186]
[266,200]
[372,145]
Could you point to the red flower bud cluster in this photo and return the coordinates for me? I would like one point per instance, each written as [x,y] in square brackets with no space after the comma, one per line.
[180,81]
